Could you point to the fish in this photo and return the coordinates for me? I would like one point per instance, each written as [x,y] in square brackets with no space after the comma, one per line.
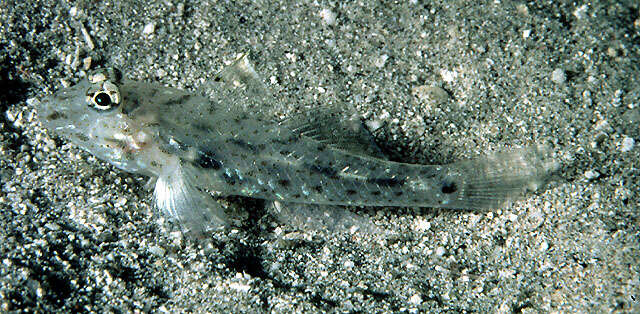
[222,141]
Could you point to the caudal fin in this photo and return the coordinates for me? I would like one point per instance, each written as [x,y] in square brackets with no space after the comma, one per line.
[490,181]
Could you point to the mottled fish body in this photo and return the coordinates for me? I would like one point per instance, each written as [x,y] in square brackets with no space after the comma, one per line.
[194,144]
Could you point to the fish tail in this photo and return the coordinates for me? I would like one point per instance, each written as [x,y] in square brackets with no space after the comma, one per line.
[491,181]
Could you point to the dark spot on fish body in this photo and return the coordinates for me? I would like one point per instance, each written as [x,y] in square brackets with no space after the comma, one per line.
[83,137]
[284,182]
[376,193]
[428,172]
[202,127]
[207,160]
[449,187]
[56,115]
[285,153]
[176,101]
[387,182]
[326,171]
[293,138]
[318,189]
[243,145]
[351,192]
[231,180]
[131,104]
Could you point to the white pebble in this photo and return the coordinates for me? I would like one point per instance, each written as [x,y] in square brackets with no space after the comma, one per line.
[558,76]
[380,62]
[87,37]
[415,299]
[373,125]
[448,76]
[348,264]
[149,28]
[440,251]
[328,17]
[591,174]
[422,225]
[544,246]
[627,144]
[156,250]
[603,125]
[581,12]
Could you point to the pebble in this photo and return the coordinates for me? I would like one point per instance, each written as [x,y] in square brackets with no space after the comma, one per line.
[591,174]
[149,28]
[448,76]
[432,95]
[415,299]
[627,144]
[328,17]
[558,76]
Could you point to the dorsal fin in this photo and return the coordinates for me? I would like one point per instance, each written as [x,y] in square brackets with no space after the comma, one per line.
[240,87]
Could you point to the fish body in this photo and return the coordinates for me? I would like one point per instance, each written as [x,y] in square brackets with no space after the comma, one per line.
[194,143]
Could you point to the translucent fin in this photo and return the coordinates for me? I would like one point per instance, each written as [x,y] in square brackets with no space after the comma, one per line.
[489,182]
[338,129]
[179,198]
[332,219]
[240,87]
[241,74]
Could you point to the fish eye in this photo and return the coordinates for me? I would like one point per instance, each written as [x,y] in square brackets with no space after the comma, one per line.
[103,95]
[102,100]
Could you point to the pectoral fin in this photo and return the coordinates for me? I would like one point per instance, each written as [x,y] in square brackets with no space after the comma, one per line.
[179,198]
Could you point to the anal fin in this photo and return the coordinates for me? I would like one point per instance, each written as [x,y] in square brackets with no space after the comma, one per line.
[329,218]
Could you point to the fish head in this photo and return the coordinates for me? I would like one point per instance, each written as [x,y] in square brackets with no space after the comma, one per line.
[92,115]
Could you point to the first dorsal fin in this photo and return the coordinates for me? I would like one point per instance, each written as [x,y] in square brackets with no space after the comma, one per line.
[241,74]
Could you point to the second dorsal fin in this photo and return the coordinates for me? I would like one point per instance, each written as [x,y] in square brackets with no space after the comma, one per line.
[239,87]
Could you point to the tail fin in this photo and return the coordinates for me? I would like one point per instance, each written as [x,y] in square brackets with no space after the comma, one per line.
[489,182]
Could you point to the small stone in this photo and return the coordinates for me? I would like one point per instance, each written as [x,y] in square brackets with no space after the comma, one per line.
[149,28]
[86,63]
[422,225]
[328,17]
[544,246]
[581,12]
[348,264]
[381,61]
[432,95]
[448,76]
[415,299]
[603,125]
[156,250]
[627,144]
[558,76]
[591,174]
